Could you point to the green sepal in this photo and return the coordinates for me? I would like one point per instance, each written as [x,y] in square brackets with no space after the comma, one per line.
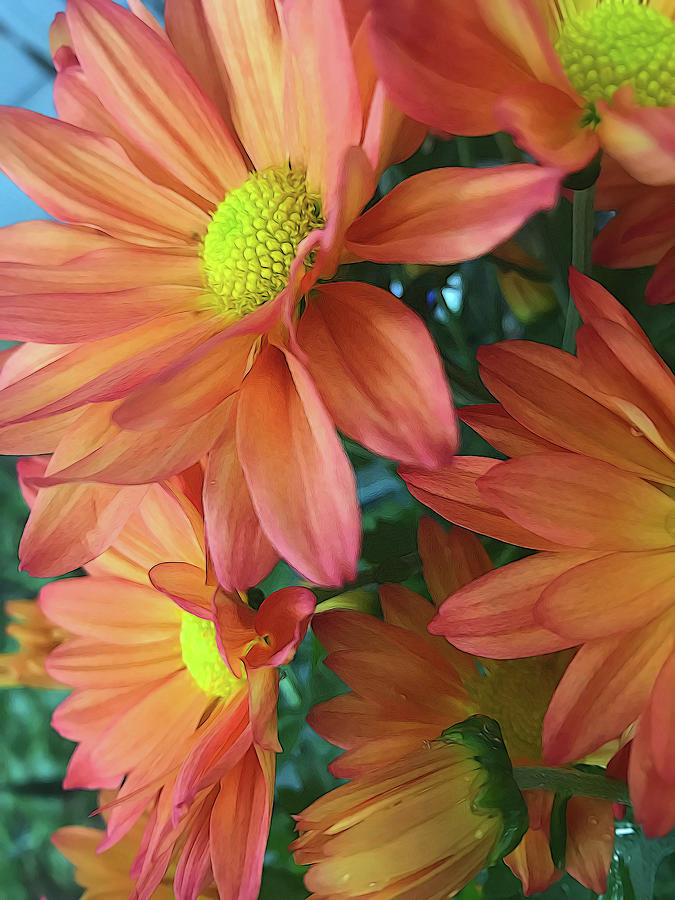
[557,841]
[482,737]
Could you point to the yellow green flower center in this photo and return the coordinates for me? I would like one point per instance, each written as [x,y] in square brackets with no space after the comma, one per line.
[202,657]
[620,42]
[250,244]
[517,692]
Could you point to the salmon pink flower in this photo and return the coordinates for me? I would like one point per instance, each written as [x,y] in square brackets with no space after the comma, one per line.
[642,233]
[591,485]
[407,687]
[565,77]
[173,706]
[210,175]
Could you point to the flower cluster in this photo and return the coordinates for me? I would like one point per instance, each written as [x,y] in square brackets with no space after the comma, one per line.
[213,340]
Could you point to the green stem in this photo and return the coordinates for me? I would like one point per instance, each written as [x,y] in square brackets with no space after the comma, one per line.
[571,782]
[583,207]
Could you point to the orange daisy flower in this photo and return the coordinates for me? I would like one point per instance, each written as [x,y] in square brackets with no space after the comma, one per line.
[211,175]
[642,233]
[159,717]
[407,686]
[37,637]
[591,485]
[110,869]
[565,77]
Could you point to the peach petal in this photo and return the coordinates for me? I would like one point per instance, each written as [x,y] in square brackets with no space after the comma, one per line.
[465,70]
[110,609]
[189,388]
[241,553]
[77,104]
[84,179]
[82,662]
[452,492]
[590,841]
[139,457]
[324,90]
[194,41]
[546,391]
[596,506]
[170,119]
[447,215]
[604,689]
[450,560]
[309,485]
[247,39]
[240,821]
[520,27]
[58,243]
[494,615]
[71,524]
[640,586]
[505,433]
[350,333]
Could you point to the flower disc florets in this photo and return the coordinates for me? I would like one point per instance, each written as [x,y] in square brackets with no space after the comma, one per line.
[620,42]
[202,657]
[250,244]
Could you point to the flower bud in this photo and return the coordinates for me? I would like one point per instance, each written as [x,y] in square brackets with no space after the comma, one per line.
[427,823]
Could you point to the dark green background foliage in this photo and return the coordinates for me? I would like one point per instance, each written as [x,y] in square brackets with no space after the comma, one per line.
[33,757]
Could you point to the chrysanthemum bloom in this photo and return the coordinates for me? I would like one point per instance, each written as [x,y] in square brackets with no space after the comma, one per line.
[642,233]
[157,714]
[210,175]
[565,77]
[37,637]
[108,872]
[591,485]
[407,686]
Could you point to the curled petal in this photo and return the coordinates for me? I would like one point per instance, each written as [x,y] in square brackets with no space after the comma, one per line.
[283,619]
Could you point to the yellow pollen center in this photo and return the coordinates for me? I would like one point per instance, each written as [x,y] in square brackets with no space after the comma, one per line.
[619,42]
[250,244]
[203,660]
